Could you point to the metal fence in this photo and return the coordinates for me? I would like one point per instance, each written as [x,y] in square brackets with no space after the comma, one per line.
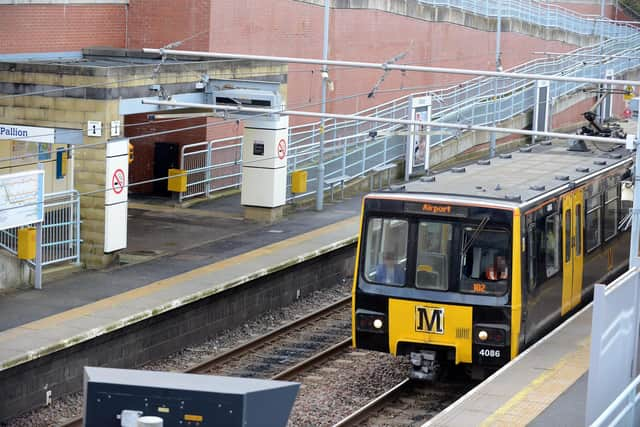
[612,392]
[543,14]
[354,147]
[60,230]
[211,166]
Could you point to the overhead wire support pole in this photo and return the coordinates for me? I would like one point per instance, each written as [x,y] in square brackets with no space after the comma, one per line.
[323,108]
[492,141]
[387,66]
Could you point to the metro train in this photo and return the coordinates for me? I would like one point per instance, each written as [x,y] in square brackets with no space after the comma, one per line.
[471,266]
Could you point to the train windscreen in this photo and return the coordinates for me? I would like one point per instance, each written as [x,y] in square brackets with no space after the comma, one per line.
[437,254]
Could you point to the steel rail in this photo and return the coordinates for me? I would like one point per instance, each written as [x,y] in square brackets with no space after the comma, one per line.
[248,347]
[363,413]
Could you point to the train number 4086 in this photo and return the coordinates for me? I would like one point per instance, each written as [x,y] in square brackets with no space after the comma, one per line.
[489,353]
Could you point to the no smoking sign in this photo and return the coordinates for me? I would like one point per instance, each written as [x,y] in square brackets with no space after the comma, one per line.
[282,149]
[118,181]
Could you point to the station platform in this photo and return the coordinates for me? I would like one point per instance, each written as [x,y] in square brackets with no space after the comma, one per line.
[544,386]
[189,254]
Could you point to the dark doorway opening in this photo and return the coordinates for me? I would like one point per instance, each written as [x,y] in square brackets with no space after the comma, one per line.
[166,156]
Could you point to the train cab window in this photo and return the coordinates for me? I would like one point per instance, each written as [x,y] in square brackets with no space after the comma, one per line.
[386,251]
[434,256]
[485,261]
[610,213]
[552,244]
[592,223]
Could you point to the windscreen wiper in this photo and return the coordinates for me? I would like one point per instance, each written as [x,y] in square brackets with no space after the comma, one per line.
[475,234]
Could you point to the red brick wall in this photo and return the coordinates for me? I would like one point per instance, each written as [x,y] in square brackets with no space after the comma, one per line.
[137,124]
[55,28]
[267,27]
[156,23]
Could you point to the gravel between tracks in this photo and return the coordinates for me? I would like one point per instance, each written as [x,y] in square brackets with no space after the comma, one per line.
[332,392]
[71,406]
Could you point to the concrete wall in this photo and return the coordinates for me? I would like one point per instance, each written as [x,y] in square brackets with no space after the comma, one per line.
[24,387]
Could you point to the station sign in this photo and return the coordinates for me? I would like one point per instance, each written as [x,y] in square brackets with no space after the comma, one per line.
[27,133]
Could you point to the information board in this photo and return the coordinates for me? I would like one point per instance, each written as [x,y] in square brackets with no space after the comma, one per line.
[21,199]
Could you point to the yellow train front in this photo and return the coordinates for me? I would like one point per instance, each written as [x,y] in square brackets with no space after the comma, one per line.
[473,265]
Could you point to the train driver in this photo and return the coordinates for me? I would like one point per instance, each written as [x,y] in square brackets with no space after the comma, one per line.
[498,270]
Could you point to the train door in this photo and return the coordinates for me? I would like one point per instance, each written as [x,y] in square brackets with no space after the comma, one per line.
[572,249]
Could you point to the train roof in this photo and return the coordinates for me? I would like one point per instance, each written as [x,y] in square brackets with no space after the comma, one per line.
[524,175]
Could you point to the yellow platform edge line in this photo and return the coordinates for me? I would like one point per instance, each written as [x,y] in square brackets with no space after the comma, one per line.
[133,294]
[527,404]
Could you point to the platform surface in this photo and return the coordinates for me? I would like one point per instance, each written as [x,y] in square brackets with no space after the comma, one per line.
[544,386]
[195,253]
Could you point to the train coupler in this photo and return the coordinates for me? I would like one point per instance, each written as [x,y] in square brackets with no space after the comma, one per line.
[425,365]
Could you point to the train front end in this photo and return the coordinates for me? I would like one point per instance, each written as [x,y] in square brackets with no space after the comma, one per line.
[433,281]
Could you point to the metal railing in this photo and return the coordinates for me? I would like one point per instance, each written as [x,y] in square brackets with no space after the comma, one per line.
[542,14]
[354,148]
[211,166]
[60,230]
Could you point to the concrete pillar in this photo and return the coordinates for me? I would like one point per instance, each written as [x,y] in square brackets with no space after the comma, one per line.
[264,167]
[90,178]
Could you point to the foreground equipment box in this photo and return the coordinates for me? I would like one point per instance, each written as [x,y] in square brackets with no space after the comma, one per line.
[117,397]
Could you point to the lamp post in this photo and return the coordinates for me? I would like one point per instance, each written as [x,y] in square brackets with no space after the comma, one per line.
[325,76]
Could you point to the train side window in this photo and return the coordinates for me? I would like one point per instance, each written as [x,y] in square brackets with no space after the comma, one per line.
[386,251]
[592,223]
[434,255]
[610,213]
[578,230]
[567,236]
[552,244]
[531,257]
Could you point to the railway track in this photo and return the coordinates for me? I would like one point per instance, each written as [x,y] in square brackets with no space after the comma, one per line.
[408,403]
[284,352]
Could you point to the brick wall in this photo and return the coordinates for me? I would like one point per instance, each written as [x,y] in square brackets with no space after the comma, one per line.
[156,23]
[56,28]
[367,35]
[137,124]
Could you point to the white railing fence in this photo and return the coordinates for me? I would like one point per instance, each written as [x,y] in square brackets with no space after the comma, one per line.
[60,230]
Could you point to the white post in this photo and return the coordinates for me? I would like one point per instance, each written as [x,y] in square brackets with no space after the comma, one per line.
[634,261]
[38,269]
[427,148]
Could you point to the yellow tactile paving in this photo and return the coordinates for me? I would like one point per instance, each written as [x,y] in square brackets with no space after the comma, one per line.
[527,404]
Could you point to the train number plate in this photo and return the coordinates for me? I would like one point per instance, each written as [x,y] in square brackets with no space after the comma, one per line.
[485,352]
[430,320]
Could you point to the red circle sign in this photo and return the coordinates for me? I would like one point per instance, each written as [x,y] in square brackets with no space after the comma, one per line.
[117,181]
[627,113]
[282,149]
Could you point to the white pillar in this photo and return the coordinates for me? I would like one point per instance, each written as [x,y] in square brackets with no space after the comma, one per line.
[264,162]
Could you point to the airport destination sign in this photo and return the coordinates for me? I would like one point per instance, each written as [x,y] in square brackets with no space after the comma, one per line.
[27,133]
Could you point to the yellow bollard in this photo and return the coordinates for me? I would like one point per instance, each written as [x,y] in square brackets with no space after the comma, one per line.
[299,181]
[177,181]
[27,243]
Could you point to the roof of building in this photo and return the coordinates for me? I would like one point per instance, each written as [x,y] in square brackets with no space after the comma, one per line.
[522,175]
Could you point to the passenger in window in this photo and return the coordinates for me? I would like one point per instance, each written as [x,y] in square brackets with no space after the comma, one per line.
[498,270]
[389,271]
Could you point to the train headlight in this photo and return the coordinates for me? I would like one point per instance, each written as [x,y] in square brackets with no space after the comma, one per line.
[371,321]
[491,334]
